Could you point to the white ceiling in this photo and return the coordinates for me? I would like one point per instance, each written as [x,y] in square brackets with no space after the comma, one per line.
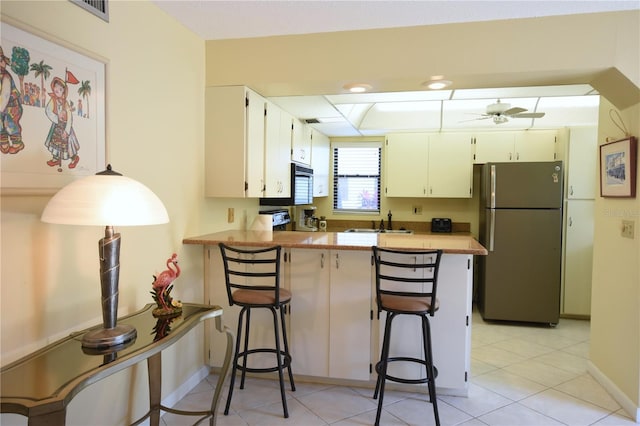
[215,19]
[377,114]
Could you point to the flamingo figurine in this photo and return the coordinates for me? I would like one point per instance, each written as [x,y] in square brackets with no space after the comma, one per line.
[162,282]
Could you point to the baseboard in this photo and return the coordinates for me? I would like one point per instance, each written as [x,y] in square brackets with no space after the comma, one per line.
[186,387]
[622,399]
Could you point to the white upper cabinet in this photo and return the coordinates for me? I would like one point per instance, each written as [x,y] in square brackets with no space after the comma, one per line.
[535,145]
[301,143]
[429,165]
[450,166]
[407,155]
[320,163]
[581,164]
[234,142]
[530,145]
[277,173]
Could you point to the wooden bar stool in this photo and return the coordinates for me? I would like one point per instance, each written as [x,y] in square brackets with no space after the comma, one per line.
[252,279]
[406,284]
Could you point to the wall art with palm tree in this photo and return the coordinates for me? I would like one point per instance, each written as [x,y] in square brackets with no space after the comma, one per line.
[52,126]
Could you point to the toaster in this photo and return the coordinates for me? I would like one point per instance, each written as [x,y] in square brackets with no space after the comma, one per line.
[440,225]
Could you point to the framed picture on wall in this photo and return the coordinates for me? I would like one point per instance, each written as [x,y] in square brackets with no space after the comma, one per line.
[52,128]
[618,161]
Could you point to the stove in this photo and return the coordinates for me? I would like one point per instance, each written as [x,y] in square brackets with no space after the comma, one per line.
[281,218]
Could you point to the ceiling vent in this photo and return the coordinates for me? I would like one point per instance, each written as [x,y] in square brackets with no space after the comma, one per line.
[100,8]
[311,121]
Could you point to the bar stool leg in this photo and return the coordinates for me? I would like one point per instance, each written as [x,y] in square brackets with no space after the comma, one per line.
[286,348]
[246,347]
[431,384]
[279,362]
[235,361]
[382,374]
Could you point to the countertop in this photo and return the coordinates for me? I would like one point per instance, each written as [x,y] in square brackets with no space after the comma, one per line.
[449,243]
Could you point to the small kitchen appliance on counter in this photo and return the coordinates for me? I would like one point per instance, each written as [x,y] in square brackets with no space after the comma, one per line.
[440,225]
[280,218]
[306,219]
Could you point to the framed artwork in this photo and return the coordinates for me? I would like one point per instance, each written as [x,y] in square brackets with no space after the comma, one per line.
[52,128]
[618,161]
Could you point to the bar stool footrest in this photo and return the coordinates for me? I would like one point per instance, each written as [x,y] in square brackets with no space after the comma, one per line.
[403,380]
[286,361]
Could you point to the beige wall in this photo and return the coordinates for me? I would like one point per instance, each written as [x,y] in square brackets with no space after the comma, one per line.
[615,306]
[155,134]
[155,121]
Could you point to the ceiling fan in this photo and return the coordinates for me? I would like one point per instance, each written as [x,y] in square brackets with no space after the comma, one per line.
[502,112]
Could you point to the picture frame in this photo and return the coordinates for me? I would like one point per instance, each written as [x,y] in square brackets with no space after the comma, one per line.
[618,162]
[53,130]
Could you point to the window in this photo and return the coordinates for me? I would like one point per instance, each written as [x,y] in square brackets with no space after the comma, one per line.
[356,177]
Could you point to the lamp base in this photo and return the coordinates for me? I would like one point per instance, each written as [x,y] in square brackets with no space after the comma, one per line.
[106,337]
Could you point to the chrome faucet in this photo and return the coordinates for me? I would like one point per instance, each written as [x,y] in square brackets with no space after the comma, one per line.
[389,221]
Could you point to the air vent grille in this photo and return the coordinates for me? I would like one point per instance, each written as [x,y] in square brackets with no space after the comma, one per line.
[100,8]
[312,120]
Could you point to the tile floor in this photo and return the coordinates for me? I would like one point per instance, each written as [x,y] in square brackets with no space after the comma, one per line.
[521,375]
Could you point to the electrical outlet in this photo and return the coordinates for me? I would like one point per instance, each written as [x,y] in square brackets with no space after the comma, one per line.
[628,229]
[230,215]
[416,209]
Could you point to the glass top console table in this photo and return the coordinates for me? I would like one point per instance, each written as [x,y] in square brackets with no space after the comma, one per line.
[42,384]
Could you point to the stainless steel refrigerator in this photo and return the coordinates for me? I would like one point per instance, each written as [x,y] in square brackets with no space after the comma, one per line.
[521,227]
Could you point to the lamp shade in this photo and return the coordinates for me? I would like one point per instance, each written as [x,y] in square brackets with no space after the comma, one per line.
[105,199]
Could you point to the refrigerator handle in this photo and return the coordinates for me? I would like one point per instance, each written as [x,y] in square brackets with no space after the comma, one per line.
[492,195]
[492,227]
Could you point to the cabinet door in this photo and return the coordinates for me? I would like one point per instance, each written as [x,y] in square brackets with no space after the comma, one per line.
[535,145]
[578,257]
[225,111]
[277,151]
[450,165]
[301,143]
[451,324]
[255,144]
[320,160]
[494,147]
[407,156]
[581,167]
[349,319]
[309,331]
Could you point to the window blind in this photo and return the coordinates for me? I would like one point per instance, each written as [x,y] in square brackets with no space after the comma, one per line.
[356,178]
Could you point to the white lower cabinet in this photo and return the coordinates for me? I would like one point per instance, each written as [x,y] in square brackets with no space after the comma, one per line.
[330,313]
[330,328]
[450,329]
[578,257]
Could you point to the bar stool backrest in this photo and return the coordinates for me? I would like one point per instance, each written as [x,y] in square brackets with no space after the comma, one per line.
[251,269]
[407,273]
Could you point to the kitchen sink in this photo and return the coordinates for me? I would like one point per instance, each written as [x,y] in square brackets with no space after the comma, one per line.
[379,231]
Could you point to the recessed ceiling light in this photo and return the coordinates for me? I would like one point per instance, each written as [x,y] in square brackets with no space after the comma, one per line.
[358,87]
[437,83]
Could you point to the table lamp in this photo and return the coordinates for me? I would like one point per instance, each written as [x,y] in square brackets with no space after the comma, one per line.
[106,199]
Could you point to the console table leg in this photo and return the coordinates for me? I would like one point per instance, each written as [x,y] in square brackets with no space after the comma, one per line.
[54,418]
[154,367]
[224,371]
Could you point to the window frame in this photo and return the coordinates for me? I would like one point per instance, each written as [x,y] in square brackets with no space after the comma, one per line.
[335,177]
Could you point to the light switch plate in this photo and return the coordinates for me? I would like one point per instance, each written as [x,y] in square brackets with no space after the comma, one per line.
[230,215]
[628,229]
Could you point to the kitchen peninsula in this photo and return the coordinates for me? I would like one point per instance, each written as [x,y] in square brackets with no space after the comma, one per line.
[334,330]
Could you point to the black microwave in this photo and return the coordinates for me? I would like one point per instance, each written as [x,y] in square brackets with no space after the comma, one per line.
[301,189]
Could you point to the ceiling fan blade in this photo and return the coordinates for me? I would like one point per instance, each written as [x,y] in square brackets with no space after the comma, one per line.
[514,110]
[484,117]
[529,115]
